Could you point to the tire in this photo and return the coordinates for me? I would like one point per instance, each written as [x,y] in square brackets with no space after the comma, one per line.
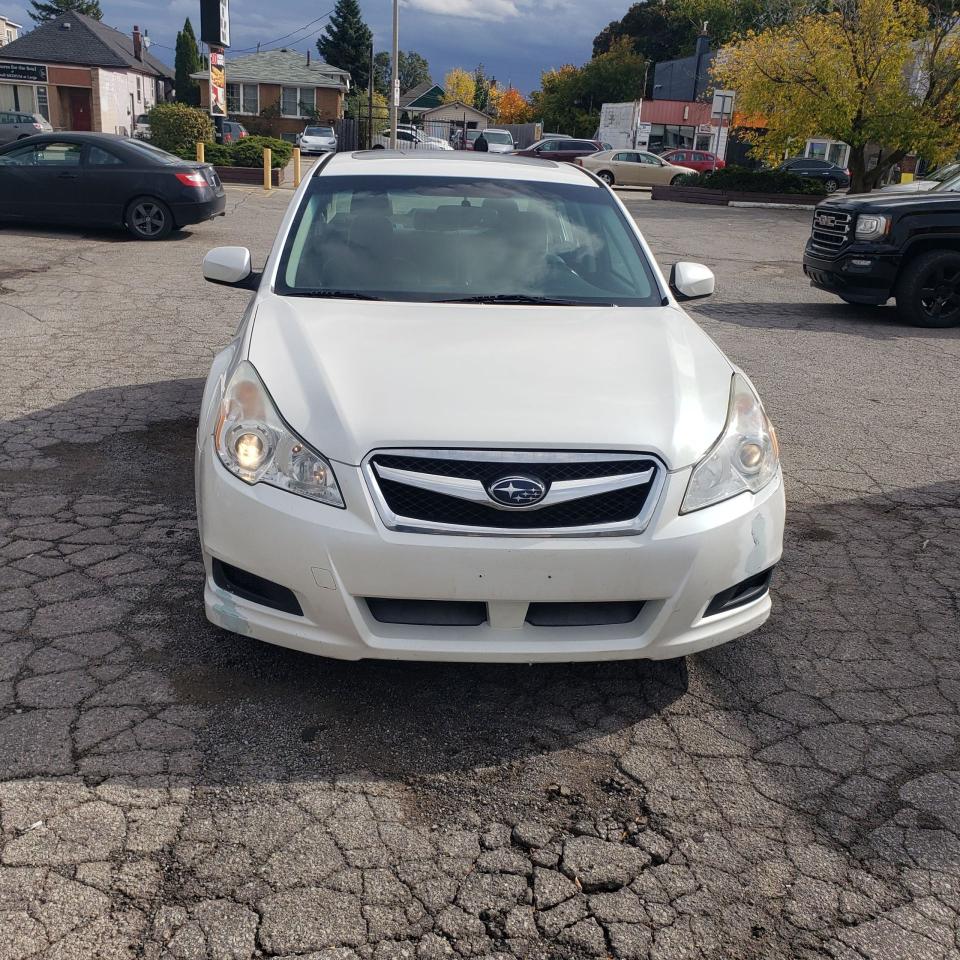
[831,185]
[23,136]
[928,291]
[607,177]
[677,179]
[148,219]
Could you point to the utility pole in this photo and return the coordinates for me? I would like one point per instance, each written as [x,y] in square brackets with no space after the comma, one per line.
[395,75]
[370,100]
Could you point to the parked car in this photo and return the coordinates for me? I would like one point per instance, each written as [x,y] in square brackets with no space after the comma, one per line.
[829,174]
[562,148]
[927,182]
[409,138]
[98,179]
[633,168]
[556,136]
[498,141]
[141,127]
[231,132]
[869,248]
[466,418]
[317,139]
[698,160]
[15,125]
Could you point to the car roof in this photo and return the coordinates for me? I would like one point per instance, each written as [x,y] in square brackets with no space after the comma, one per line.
[453,163]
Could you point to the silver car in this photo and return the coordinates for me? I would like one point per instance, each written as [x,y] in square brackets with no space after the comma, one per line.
[318,140]
[15,125]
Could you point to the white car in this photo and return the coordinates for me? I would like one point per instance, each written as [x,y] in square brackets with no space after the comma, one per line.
[465,418]
[498,141]
[409,138]
[141,128]
[318,140]
[929,181]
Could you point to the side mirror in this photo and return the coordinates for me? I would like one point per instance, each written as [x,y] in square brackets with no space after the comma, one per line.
[230,267]
[691,281]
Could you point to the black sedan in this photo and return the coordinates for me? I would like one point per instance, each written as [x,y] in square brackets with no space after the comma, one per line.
[829,174]
[97,179]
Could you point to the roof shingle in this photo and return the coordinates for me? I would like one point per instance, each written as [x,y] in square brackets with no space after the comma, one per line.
[281,66]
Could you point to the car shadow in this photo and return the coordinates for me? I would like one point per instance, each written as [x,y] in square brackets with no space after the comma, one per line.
[100,234]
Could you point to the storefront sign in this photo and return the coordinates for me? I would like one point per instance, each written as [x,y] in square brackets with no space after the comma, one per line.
[215,22]
[30,72]
[218,84]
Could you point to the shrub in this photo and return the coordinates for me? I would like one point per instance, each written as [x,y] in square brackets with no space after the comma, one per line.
[178,128]
[248,152]
[754,181]
[218,154]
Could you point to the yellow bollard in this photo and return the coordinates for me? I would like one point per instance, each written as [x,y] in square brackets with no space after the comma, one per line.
[906,178]
[296,166]
[267,168]
[200,153]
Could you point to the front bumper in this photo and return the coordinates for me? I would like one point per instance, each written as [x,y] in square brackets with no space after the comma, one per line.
[861,273]
[333,559]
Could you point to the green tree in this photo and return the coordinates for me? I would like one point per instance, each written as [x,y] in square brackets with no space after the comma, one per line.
[413,69]
[481,89]
[42,12]
[187,60]
[381,73]
[345,42]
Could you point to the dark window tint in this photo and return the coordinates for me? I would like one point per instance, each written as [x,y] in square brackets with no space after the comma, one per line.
[98,157]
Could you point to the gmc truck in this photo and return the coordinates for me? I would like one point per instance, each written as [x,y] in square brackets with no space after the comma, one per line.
[871,247]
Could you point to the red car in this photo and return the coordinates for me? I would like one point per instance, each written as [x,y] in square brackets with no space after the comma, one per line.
[567,149]
[698,160]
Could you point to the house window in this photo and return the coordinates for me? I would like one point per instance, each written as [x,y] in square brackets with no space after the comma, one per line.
[243,98]
[43,104]
[139,91]
[297,101]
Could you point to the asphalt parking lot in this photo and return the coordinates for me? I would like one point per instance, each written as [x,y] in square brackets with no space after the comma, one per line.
[168,790]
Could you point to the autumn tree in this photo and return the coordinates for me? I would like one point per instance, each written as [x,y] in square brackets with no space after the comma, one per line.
[459,85]
[345,42]
[870,73]
[43,12]
[513,107]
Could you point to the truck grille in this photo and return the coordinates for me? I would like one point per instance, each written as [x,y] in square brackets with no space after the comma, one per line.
[832,229]
[575,494]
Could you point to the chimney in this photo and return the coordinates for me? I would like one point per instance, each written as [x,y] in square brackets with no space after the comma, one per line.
[703,41]
[308,58]
[137,43]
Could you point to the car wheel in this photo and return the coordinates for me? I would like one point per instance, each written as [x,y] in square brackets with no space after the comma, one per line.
[149,219]
[678,179]
[607,177]
[831,185]
[928,291]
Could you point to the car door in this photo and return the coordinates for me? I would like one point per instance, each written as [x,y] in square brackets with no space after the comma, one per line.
[625,167]
[650,170]
[42,182]
[547,150]
[6,128]
[108,182]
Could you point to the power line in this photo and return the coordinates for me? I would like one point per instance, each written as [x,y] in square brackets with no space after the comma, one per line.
[268,43]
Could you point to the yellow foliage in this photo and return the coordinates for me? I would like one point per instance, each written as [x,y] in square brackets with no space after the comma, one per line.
[512,107]
[459,85]
[865,72]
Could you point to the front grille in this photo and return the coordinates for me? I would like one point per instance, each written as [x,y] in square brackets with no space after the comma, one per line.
[404,505]
[832,229]
[428,613]
[589,614]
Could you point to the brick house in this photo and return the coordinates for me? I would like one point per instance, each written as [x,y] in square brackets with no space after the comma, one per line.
[82,75]
[292,87]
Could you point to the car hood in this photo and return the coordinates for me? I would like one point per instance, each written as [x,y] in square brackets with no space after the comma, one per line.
[915,186]
[499,148]
[351,377]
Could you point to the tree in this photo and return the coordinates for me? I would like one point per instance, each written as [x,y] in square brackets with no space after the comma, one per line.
[459,85]
[381,73]
[481,89]
[187,61]
[345,42]
[891,80]
[42,12]
[413,70]
[513,107]
[569,99]
[177,128]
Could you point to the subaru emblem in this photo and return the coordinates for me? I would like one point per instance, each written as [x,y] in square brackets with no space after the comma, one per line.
[517,491]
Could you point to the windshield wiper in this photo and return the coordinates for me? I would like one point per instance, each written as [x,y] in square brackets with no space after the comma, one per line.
[521,298]
[334,294]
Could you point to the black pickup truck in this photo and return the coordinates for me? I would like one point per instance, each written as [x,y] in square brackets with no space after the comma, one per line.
[868,248]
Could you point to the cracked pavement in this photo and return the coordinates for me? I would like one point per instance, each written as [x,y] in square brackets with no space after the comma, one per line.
[169,791]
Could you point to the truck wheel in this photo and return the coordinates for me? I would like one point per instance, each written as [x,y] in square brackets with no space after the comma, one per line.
[928,291]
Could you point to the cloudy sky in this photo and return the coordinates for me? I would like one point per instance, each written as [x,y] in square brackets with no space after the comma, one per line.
[514,39]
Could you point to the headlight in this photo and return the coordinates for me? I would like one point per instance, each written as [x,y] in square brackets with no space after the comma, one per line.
[872,226]
[746,456]
[254,443]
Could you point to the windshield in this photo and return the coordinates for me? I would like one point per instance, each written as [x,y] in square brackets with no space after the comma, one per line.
[455,238]
[497,136]
[943,173]
[473,134]
[318,132]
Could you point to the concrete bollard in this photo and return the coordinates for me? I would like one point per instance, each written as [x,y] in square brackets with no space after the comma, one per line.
[267,168]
